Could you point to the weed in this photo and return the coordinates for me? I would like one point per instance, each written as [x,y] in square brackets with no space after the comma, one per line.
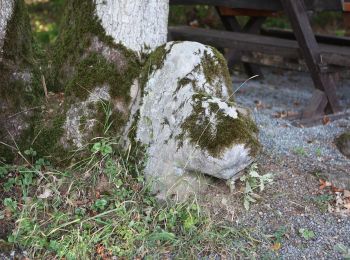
[300,151]
[253,181]
[10,204]
[279,234]
[343,250]
[306,233]
[318,152]
[102,206]
[321,201]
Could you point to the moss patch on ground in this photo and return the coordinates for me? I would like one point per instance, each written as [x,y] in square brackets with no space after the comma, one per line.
[216,136]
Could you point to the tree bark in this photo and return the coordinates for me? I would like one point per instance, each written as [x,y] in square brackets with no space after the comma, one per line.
[18,88]
[139,25]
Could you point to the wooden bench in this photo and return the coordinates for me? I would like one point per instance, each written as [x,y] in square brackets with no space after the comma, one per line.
[321,59]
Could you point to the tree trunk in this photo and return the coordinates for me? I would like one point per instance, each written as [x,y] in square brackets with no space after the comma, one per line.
[139,25]
[18,74]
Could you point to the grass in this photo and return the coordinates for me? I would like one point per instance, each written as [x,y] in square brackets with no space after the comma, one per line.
[100,207]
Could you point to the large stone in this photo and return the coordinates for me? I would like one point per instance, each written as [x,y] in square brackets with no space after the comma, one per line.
[343,143]
[189,121]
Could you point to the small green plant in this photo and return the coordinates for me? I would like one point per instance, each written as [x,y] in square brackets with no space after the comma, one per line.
[100,204]
[279,234]
[102,147]
[318,152]
[10,204]
[300,151]
[3,171]
[321,201]
[343,250]
[306,233]
[253,181]
[30,152]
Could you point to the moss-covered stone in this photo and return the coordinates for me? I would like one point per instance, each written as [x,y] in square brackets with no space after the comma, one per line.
[153,62]
[220,132]
[343,143]
[214,65]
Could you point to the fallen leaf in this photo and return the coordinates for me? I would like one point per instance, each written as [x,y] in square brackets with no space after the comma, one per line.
[276,246]
[335,189]
[326,120]
[324,184]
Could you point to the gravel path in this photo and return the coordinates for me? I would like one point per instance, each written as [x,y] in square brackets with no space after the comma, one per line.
[295,156]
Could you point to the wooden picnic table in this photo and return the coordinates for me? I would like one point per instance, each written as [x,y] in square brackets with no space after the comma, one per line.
[318,57]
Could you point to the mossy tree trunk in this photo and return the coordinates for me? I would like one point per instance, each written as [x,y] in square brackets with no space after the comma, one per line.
[19,75]
[97,56]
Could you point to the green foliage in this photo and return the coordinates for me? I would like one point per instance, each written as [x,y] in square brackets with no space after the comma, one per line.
[343,250]
[102,147]
[253,181]
[306,233]
[279,234]
[104,202]
[300,151]
[10,204]
[321,201]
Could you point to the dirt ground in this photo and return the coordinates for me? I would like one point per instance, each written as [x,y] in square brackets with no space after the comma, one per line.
[298,158]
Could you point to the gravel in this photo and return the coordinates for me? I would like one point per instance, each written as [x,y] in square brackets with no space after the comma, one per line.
[296,156]
[314,146]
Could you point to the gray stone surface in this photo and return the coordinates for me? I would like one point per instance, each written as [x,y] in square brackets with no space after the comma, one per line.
[166,105]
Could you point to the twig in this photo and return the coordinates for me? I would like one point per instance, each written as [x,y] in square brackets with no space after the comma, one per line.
[43,82]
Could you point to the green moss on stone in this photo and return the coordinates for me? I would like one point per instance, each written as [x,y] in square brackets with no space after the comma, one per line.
[214,66]
[154,62]
[95,71]
[343,143]
[216,136]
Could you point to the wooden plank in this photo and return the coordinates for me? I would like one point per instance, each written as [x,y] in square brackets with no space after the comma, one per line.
[316,106]
[346,5]
[335,55]
[320,38]
[270,5]
[236,40]
[227,11]
[296,11]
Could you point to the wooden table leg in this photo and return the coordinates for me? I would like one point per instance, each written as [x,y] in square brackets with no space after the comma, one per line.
[253,26]
[296,11]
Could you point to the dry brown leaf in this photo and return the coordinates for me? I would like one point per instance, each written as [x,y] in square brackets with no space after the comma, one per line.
[276,246]
[326,120]
[324,184]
